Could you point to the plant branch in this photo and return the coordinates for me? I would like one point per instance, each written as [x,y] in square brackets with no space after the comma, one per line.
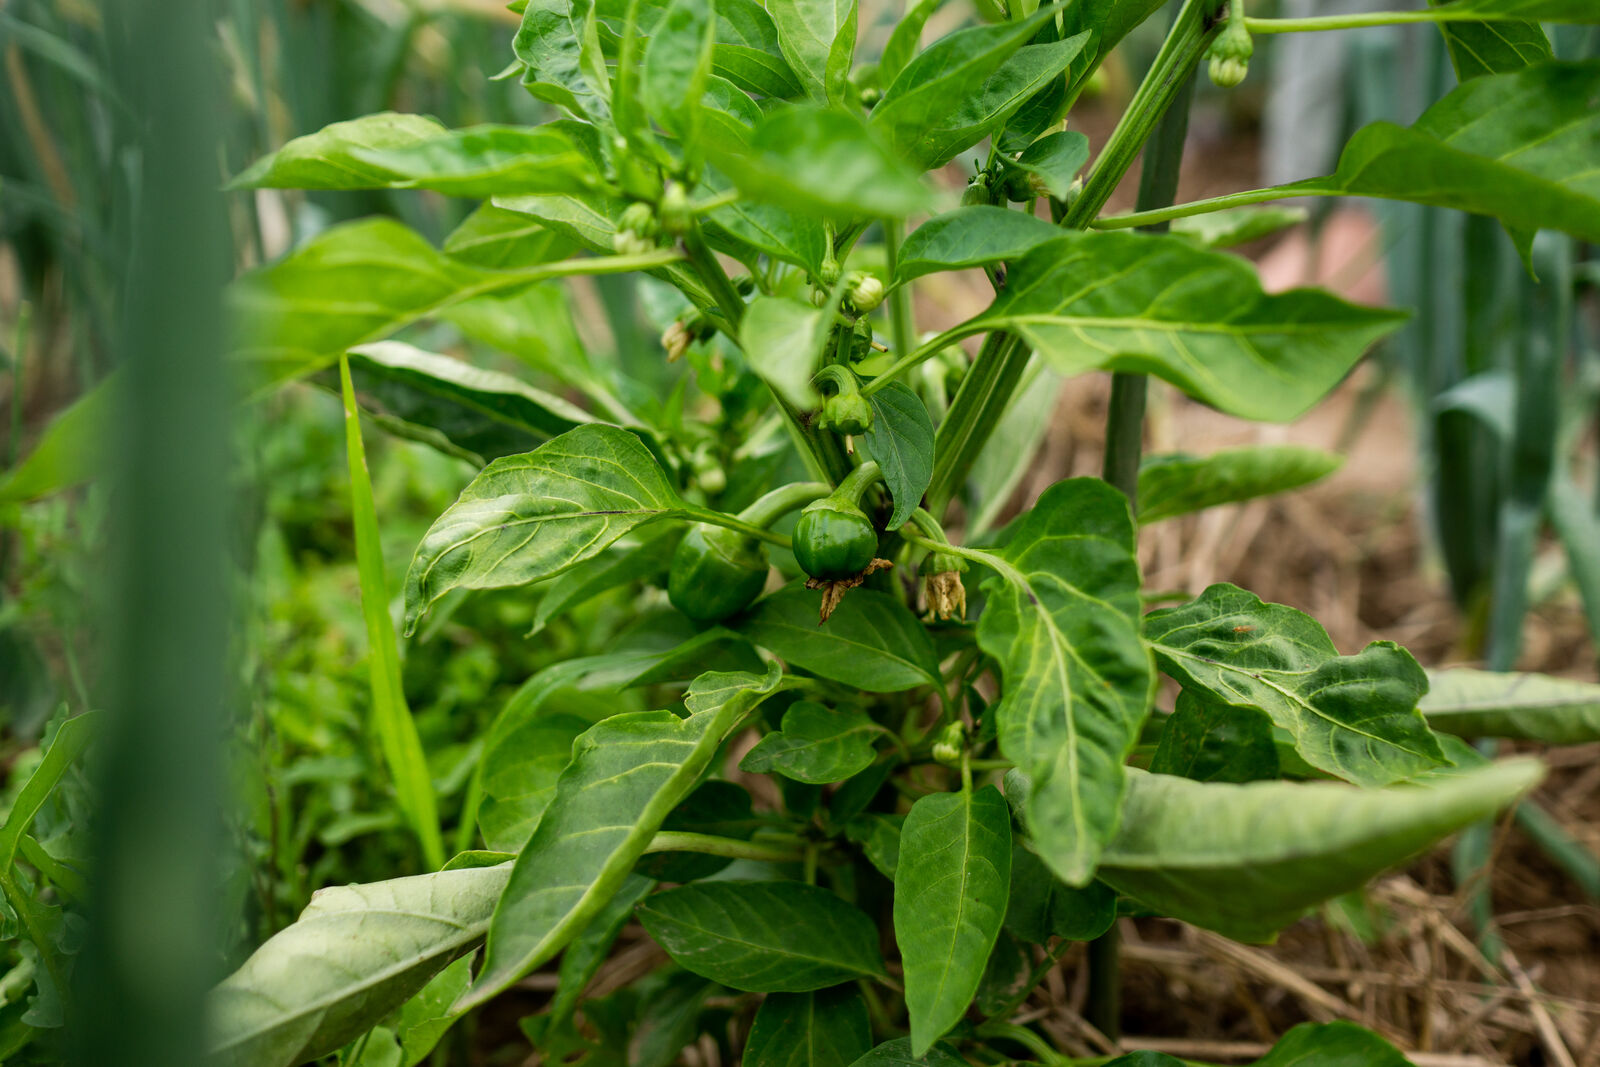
[1362,20]
[902,325]
[711,845]
[1202,207]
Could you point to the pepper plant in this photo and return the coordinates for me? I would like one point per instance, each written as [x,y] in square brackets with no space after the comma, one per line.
[972,758]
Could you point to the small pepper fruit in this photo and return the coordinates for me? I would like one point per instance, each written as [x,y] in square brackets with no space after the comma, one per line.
[834,540]
[716,573]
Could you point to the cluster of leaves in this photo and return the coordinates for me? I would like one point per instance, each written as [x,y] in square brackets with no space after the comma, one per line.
[950,802]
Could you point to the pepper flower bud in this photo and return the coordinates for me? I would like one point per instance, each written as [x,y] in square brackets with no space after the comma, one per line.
[947,747]
[866,290]
[1228,58]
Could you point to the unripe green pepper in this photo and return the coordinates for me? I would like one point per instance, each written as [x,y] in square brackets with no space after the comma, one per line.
[846,411]
[834,540]
[716,573]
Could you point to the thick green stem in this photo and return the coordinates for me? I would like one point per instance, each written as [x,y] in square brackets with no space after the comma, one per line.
[857,482]
[1203,207]
[1196,23]
[902,326]
[1376,18]
[782,500]
[723,519]
[977,409]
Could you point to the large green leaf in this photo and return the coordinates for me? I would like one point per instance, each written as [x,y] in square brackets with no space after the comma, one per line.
[747,52]
[327,159]
[1353,716]
[783,339]
[520,768]
[971,237]
[1156,304]
[1533,707]
[872,641]
[1209,741]
[1335,1044]
[498,239]
[771,228]
[1248,860]
[901,440]
[1062,620]
[826,163]
[627,773]
[550,45]
[532,516]
[357,953]
[1177,484]
[486,161]
[965,85]
[764,937]
[364,280]
[1041,905]
[818,38]
[677,65]
[815,744]
[1479,48]
[483,413]
[950,893]
[825,1028]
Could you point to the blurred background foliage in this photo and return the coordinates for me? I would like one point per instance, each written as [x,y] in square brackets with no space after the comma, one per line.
[1468,502]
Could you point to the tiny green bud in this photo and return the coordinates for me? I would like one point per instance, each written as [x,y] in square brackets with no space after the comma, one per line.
[1228,58]
[638,217]
[866,290]
[630,243]
[977,191]
[870,97]
[674,209]
[947,747]
[849,414]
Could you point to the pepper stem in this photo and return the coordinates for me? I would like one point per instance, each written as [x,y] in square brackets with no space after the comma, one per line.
[856,483]
[782,500]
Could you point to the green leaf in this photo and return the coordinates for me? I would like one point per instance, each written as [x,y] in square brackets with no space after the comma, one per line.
[1352,716]
[1335,1044]
[879,837]
[298,315]
[589,217]
[771,228]
[1062,620]
[646,558]
[68,452]
[1177,484]
[532,516]
[1479,48]
[1209,741]
[816,744]
[872,641]
[498,239]
[901,440]
[328,158]
[827,163]
[904,39]
[1041,905]
[965,86]
[550,45]
[677,64]
[1156,304]
[1237,226]
[627,773]
[1532,707]
[483,413]
[818,38]
[70,741]
[783,340]
[356,954]
[825,1028]
[583,957]
[897,1053]
[1048,165]
[950,892]
[1514,146]
[1247,860]
[391,719]
[764,937]
[484,161]
[426,1017]
[520,768]
[971,236]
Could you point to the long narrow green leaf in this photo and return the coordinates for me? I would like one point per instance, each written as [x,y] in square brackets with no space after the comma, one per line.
[1062,620]
[67,453]
[70,740]
[391,718]
[1533,707]
[627,774]
[951,887]
[1247,860]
